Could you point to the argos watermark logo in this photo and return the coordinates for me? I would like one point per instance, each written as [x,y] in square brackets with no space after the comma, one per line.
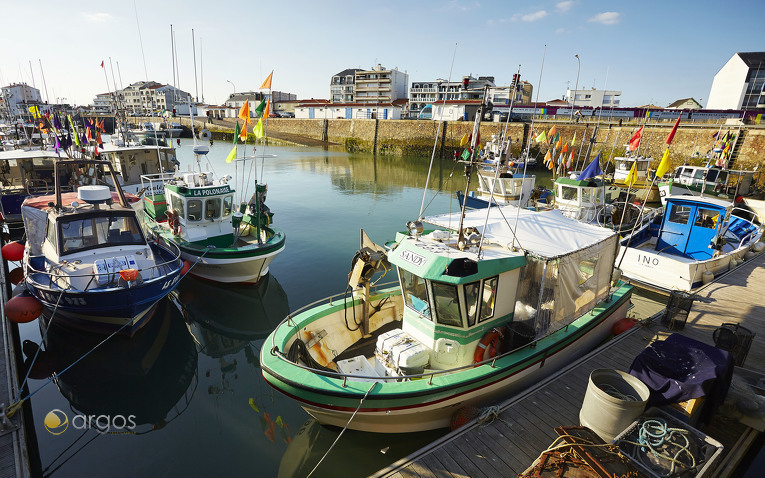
[57,422]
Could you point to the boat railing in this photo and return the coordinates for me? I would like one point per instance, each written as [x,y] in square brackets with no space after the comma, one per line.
[162,178]
[161,268]
[746,212]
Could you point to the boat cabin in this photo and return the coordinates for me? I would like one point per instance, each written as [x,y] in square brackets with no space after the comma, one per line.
[623,165]
[714,180]
[579,199]
[693,227]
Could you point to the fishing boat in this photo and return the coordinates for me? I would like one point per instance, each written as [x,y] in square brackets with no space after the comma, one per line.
[223,240]
[693,240]
[87,258]
[708,181]
[487,304]
[641,184]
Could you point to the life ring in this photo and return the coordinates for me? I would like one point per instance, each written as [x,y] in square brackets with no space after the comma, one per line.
[489,345]
[205,135]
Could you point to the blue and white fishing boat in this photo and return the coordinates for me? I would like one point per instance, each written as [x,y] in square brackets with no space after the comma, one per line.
[87,258]
[691,242]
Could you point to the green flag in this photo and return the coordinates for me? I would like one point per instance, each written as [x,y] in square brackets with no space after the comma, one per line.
[542,137]
[260,108]
[258,129]
[237,131]
[466,154]
[232,154]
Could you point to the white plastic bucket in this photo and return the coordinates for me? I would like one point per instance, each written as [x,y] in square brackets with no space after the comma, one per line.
[606,408]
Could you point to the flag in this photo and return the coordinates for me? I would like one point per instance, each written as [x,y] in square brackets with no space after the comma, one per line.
[260,108]
[564,149]
[267,82]
[664,164]
[552,132]
[466,154]
[548,160]
[243,132]
[573,140]
[464,140]
[632,176]
[258,129]
[102,63]
[35,111]
[558,143]
[555,140]
[635,140]
[674,130]
[244,111]
[542,137]
[237,131]
[570,160]
[592,169]
[232,154]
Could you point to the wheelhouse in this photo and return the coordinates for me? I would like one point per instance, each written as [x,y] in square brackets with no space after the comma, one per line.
[623,165]
[690,227]
[73,233]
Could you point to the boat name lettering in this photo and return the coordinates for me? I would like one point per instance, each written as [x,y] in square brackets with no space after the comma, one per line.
[171,282]
[413,258]
[434,248]
[651,261]
[211,191]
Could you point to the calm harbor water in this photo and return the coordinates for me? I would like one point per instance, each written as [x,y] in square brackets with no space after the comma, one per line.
[191,378]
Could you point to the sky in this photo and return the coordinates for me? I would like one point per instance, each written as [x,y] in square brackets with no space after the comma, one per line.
[652,51]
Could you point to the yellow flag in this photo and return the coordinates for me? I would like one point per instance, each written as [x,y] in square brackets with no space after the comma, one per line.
[243,132]
[542,137]
[573,140]
[231,155]
[663,165]
[35,111]
[464,140]
[632,176]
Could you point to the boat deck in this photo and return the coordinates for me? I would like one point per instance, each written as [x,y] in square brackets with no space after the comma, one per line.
[524,425]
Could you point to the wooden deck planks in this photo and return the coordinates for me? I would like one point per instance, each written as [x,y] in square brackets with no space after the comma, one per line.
[524,428]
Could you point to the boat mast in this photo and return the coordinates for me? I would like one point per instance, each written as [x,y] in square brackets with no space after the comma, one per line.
[461,243]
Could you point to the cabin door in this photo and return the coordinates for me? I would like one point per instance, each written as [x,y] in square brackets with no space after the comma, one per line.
[706,223]
[675,229]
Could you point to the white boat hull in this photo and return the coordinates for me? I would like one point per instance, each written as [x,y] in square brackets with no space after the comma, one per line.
[232,270]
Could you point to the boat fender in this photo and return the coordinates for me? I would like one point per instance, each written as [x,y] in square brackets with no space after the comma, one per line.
[759,246]
[205,135]
[623,325]
[489,345]
[13,251]
[707,277]
[16,275]
[185,268]
[23,308]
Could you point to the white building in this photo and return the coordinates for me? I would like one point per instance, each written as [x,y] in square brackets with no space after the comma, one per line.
[455,110]
[341,89]
[19,96]
[593,98]
[322,109]
[427,93]
[146,98]
[739,84]
[380,85]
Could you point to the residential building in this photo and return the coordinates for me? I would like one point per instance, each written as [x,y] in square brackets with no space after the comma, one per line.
[593,98]
[380,85]
[19,96]
[423,94]
[685,104]
[148,97]
[500,95]
[740,83]
[341,89]
[323,109]
[103,103]
[235,102]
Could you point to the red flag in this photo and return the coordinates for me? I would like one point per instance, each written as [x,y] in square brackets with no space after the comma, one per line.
[674,130]
[102,63]
[635,140]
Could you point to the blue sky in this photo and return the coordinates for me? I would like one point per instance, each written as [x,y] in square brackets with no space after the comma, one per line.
[653,51]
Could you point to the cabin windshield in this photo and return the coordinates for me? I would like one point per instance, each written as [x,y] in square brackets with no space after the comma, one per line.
[707,218]
[712,174]
[568,193]
[447,300]
[415,292]
[78,233]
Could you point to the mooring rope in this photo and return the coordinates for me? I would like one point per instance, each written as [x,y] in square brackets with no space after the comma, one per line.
[655,434]
[343,430]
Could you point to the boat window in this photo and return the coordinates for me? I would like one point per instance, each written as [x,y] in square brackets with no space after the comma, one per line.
[698,174]
[488,298]
[102,231]
[712,174]
[195,210]
[177,204]
[707,218]
[51,233]
[472,294]
[228,202]
[447,302]
[212,208]
[568,193]
[687,173]
[622,165]
[680,214]
[642,166]
[415,292]
[678,172]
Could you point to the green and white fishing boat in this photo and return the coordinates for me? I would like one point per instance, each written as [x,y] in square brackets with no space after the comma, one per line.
[223,239]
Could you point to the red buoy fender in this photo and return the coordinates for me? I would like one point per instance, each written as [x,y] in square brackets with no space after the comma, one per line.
[16,275]
[623,325]
[489,345]
[23,308]
[186,267]
[13,251]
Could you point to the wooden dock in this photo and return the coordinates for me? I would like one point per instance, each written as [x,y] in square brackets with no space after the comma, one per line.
[524,425]
[14,453]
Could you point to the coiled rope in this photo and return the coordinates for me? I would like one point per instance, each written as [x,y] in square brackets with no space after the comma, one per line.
[661,441]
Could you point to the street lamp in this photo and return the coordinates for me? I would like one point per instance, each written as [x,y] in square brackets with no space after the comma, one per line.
[573,100]
[232,84]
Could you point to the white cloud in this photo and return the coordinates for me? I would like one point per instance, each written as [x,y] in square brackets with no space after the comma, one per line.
[530,17]
[563,7]
[560,31]
[97,17]
[606,18]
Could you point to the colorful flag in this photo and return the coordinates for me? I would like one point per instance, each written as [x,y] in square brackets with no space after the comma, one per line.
[35,111]
[548,160]
[244,111]
[237,132]
[552,132]
[664,164]
[592,169]
[102,63]
[243,132]
[570,160]
[267,82]
[555,140]
[232,154]
[464,140]
[542,137]
[573,140]
[466,154]
[564,149]
[635,140]
[558,143]
[674,130]
[258,129]
[632,176]
[260,108]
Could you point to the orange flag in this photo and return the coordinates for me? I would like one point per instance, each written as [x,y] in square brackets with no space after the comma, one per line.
[552,132]
[548,160]
[565,148]
[267,84]
[244,112]
[559,143]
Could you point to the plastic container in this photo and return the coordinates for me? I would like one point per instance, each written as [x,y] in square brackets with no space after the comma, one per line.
[614,399]
[706,449]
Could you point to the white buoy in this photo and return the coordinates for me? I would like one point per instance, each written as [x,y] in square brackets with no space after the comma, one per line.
[733,263]
[759,246]
[707,277]
[749,254]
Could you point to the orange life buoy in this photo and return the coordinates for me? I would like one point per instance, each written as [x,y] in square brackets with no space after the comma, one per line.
[489,345]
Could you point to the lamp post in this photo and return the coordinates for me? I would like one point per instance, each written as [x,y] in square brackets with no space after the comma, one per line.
[232,84]
[573,100]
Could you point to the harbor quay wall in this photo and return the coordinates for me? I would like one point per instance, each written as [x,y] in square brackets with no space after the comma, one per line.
[691,142]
